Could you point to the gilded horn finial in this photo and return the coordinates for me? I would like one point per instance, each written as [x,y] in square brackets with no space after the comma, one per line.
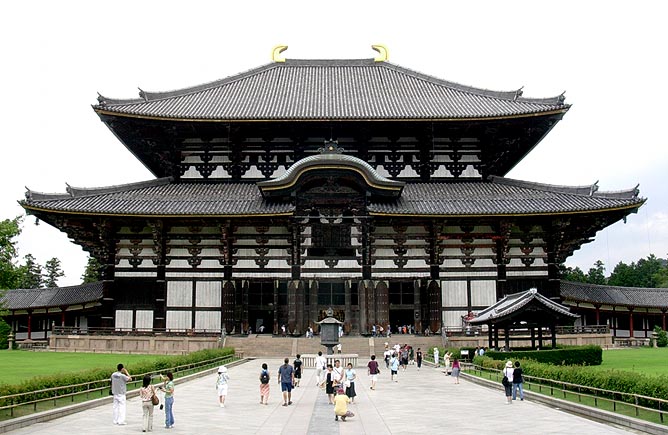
[383,55]
[277,51]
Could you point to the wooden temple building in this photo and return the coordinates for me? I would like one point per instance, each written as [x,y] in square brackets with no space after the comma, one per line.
[300,185]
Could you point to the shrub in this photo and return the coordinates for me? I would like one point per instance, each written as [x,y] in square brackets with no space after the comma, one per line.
[661,337]
[580,355]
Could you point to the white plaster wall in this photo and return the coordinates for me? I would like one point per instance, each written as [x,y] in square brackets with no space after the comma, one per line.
[208,294]
[179,320]
[179,294]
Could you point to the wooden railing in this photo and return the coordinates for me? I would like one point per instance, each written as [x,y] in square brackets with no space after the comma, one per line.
[29,402]
[599,397]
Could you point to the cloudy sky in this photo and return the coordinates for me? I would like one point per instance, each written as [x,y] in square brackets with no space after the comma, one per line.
[609,57]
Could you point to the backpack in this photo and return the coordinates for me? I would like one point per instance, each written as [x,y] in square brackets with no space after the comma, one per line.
[264,377]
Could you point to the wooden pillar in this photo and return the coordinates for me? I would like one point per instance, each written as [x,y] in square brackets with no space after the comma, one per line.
[347,324]
[435,305]
[296,307]
[63,308]
[29,324]
[417,307]
[540,337]
[631,332]
[313,298]
[363,289]
[663,319]
[598,313]
[506,331]
[245,287]
[553,332]
[382,303]
[490,341]
[228,306]
[107,254]
[613,320]
[160,290]
[496,337]
[533,337]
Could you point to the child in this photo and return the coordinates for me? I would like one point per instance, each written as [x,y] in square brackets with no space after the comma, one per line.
[341,406]
[264,385]
[221,385]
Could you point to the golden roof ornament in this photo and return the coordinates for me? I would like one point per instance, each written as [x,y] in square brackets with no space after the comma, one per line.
[383,54]
[275,53]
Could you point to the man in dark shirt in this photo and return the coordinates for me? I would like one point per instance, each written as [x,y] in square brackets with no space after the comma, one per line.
[286,377]
[373,370]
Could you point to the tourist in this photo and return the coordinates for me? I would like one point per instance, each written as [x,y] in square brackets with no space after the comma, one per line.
[373,371]
[436,361]
[518,381]
[394,366]
[373,330]
[389,330]
[481,352]
[404,357]
[168,388]
[221,385]
[146,393]
[455,370]
[338,373]
[283,330]
[320,367]
[341,406]
[264,385]
[286,377]
[339,347]
[411,355]
[329,384]
[446,360]
[387,354]
[119,381]
[508,381]
[297,364]
[418,358]
[349,382]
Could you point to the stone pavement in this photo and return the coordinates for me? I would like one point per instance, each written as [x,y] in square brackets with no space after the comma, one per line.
[420,402]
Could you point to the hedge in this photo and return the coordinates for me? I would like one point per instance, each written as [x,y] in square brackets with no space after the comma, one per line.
[612,380]
[99,377]
[581,355]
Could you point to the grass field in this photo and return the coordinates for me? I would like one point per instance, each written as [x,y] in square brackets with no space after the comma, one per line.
[17,366]
[645,360]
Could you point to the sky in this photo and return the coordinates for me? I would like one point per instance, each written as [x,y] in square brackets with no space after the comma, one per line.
[608,56]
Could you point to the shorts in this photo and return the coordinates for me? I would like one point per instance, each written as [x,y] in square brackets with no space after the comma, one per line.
[394,372]
[286,386]
[373,378]
[222,390]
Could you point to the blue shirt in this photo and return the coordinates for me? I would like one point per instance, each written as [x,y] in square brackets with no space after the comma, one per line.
[285,372]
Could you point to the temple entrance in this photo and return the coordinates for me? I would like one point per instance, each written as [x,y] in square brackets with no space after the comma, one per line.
[261,307]
[262,321]
[402,298]
[401,317]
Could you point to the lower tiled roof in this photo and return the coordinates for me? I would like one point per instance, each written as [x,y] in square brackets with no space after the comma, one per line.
[505,307]
[498,196]
[21,299]
[612,295]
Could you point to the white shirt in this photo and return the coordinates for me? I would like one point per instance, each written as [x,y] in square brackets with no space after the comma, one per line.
[320,362]
[508,372]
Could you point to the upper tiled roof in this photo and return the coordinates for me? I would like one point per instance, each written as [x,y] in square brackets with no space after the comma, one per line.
[21,299]
[505,307]
[611,295]
[330,90]
[498,196]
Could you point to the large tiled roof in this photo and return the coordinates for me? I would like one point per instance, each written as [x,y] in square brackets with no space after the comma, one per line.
[21,299]
[612,295]
[505,307]
[330,90]
[498,196]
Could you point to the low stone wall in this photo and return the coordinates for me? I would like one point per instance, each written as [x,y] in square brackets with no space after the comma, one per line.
[345,358]
[163,345]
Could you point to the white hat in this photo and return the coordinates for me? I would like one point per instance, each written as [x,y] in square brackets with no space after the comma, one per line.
[509,364]
[222,369]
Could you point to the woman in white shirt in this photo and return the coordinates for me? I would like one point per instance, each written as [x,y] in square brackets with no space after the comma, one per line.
[508,381]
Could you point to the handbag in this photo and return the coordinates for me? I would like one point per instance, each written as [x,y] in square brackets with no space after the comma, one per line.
[155,400]
[505,381]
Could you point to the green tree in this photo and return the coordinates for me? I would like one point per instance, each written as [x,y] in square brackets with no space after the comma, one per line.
[53,272]
[573,274]
[623,275]
[647,268]
[31,273]
[661,277]
[661,337]
[9,271]
[92,271]
[596,274]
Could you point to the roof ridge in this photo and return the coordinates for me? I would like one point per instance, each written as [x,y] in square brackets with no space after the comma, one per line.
[613,287]
[584,190]
[78,192]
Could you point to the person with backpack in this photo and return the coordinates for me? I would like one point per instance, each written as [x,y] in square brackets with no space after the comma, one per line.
[221,385]
[264,385]
[297,364]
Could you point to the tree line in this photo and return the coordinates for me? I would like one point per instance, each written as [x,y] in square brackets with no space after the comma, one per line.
[650,272]
[28,273]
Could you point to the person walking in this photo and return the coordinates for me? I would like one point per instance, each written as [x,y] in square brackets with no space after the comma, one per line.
[446,361]
[329,384]
[119,381]
[508,381]
[320,368]
[286,377]
[341,406]
[338,374]
[264,385]
[418,358]
[394,366]
[350,376]
[146,393]
[168,387]
[455,370]
[518,381]
[373,371]
[436,361]
[221,385]
[297,364]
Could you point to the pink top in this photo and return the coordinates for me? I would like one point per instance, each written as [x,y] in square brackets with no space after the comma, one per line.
[146,393]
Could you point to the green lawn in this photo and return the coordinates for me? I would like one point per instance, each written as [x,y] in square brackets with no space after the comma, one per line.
[17,366]
[645,360]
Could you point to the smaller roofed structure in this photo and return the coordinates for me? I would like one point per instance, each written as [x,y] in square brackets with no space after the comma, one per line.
[528,311]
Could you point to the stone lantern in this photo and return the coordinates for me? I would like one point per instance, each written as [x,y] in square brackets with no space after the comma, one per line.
[329,332]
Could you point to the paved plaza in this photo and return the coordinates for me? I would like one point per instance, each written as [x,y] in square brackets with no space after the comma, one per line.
[420,402]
